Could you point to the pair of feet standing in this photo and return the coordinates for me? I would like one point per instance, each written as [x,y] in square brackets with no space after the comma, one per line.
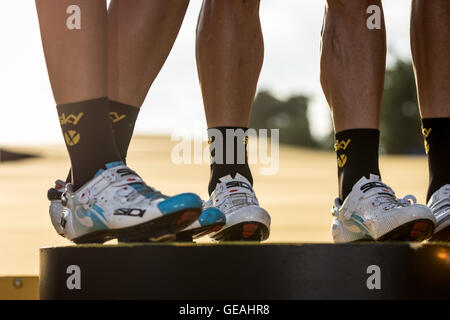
[117,203]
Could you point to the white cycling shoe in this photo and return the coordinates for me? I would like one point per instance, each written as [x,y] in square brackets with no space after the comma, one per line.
[117,203]
[245,219]
[439,204]
[210,220]
[372,212]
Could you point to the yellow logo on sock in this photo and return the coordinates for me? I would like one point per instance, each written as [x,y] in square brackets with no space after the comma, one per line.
[427,146]
[71,118]
[115,117]
[338,145]
[72,137]
[342,160]
[426,133]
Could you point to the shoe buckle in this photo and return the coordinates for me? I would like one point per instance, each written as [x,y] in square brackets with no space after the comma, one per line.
[64,196]
[334,211]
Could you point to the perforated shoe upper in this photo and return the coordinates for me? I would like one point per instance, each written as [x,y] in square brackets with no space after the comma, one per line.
[372,210]
[439,204]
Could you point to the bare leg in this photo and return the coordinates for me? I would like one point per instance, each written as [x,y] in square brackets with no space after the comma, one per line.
[352,76]
[230,54]
[75,59]
[352,65]
[430,43]
[140,36]
[353,68]
[76,62]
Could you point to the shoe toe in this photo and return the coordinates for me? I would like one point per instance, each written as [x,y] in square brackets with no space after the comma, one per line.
[419,211]
[211,216]
[180,202]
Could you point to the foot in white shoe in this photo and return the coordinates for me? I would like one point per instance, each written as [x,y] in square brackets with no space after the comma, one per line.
[117,203]
[439,204]
[245,219]
[372,212]
[210,220]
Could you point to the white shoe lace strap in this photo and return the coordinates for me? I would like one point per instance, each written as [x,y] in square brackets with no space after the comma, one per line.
[441,204]
[407,198]
[391,199]
[335,208]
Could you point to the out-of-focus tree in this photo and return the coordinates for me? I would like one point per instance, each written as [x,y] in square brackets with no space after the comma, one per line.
[290,116]
[400,119]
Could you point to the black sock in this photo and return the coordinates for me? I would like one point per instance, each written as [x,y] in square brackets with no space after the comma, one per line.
[123,117]
[69,176]
[436,132]
[357,156]
[87,131]
[239,162]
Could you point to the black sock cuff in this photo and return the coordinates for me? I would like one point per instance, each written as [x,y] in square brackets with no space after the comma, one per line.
[223,130]
[74,106]
[120,108]
[357,139]
[83,113]
[357,132]
[436,128]
[431,121]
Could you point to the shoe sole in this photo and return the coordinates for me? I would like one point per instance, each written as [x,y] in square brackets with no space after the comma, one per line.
[190,235]
[442,235]
[416,230]
[156,230]
[244,231]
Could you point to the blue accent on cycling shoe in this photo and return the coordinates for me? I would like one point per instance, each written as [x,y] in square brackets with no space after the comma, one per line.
[359,222]
[92,224]
[99,211]
[211,216]
[137,186]
[99,172]
[109,166]
[145,191]
[355,216]
[114,164]
[180,202]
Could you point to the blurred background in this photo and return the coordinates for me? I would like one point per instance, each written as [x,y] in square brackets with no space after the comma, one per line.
[299,196]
